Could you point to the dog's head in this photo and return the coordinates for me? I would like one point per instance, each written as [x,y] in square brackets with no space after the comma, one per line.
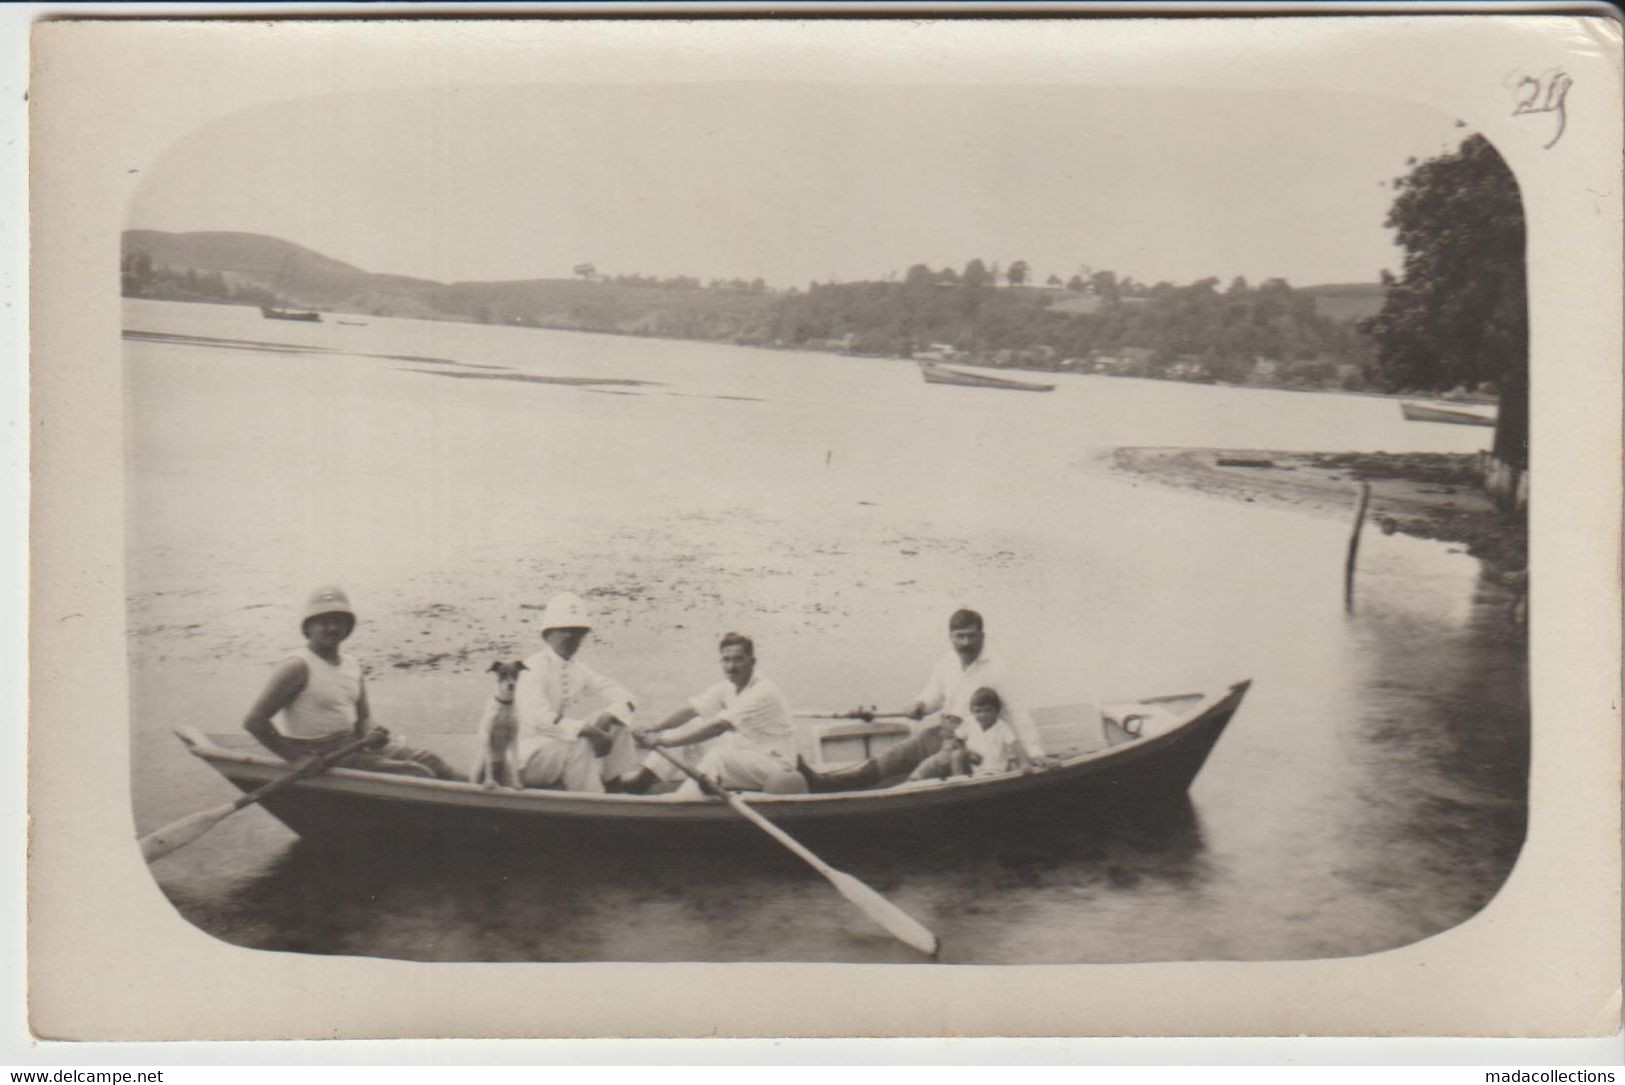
[507,675]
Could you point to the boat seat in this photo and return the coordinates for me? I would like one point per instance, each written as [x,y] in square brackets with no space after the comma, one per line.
[848,743]
[1071,729]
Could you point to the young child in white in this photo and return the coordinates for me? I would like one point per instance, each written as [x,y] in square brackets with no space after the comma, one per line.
[989,748]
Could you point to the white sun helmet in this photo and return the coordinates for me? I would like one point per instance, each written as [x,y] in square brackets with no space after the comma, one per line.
[327,599]
[565,611]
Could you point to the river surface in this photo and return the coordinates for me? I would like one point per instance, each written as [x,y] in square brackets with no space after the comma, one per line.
[1369,793]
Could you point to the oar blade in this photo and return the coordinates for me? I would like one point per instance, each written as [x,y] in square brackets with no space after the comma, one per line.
[897,922]
[178,834]
[902,926]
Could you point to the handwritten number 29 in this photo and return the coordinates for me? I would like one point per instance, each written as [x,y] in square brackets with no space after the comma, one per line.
[1546,93]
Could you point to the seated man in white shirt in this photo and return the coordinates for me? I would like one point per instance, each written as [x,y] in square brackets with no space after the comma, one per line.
[744,721]
[964,668]
[574,724]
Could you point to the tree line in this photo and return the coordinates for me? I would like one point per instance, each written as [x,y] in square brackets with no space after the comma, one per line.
[978,273]
[139,277]
[589,273]
[1197,330]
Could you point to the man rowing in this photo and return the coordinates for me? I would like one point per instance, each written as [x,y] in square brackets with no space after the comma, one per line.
[574,724]
[744,721]
[958,674]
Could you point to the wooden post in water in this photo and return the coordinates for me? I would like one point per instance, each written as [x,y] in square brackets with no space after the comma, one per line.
[1354,546]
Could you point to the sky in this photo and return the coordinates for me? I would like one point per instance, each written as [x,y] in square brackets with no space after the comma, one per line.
[799,183]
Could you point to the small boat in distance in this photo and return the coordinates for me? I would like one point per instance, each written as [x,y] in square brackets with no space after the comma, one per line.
[935,373]
[279,288]
[1457,415]
[355,323]
[272,313]
[1130,754]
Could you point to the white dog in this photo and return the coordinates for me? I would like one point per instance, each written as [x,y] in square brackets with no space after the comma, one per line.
[497,763]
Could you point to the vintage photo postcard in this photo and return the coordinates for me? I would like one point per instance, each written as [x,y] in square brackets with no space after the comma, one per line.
[572,528]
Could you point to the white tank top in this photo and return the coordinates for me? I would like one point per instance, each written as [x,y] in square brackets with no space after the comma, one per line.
[329,702]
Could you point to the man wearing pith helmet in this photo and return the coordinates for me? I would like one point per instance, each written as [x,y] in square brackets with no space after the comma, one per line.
[321,698]
[573,722]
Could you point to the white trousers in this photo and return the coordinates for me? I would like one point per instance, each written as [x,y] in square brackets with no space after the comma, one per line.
[570,763]
[735,767]
[688,755]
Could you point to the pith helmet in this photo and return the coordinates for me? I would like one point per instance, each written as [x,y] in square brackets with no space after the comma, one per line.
[565,611]
[327,600]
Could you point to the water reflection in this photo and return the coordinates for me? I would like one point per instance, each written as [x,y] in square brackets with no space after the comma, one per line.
[1441,745]
[741,903]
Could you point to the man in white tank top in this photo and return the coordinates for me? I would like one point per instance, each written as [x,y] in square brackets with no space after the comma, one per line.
[321,697]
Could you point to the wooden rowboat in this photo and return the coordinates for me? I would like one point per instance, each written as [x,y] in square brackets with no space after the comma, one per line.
[1131,754]
[1423,412]
[941,374]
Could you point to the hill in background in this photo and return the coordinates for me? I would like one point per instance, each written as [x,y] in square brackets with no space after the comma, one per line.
[254,269]
[1271,334]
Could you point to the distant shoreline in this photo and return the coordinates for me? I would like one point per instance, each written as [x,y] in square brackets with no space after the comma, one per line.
[803,348]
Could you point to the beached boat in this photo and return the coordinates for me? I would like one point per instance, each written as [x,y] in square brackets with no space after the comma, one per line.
[935,373]
[270,312]
[1130,755]
[1461,416]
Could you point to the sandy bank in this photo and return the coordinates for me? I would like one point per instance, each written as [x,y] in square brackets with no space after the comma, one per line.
[1429,495]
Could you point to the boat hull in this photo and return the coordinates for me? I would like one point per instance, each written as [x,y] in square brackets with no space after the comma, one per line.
[350,805]
[269,313]
[938,374]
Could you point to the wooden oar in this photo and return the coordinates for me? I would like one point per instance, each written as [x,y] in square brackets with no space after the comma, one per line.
[825,714]
[178,834]
[897,922]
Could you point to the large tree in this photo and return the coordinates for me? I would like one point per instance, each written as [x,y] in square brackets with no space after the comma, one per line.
[920,275]
[1458,313]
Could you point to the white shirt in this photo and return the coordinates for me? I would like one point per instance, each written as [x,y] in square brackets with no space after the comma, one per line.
[759,713]
[996,746]
[556,697]
[950,687]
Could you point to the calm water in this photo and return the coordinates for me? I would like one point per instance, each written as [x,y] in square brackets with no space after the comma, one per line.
[1370,792]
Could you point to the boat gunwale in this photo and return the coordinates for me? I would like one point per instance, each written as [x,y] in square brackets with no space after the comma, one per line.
[450,793]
